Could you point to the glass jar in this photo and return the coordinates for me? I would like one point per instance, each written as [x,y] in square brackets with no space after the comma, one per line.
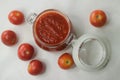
[53,31]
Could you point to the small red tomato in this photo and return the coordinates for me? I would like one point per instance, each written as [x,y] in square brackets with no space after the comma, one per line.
[25,51]
[16,17]
[98,18]
[65,61]
[9,37]
[35,67]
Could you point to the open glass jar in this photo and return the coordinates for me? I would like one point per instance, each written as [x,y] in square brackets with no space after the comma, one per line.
[53,31]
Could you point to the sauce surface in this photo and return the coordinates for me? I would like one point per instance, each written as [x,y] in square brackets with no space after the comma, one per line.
[51,27]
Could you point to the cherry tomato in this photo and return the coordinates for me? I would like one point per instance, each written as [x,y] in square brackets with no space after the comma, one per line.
[65,61]
[98,18]
[25,51]
[9,37]
[16,17]
[35,67]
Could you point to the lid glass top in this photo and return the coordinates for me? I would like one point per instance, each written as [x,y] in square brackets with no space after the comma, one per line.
[90,52]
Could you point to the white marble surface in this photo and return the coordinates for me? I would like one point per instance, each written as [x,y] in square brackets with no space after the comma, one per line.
[12,68]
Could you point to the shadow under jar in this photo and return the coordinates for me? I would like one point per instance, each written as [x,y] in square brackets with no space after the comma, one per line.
[52,30]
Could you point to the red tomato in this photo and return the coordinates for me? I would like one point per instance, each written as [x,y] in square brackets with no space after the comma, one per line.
[35,67]
[16,17]
[25,51]
[9,37]
[65,61]
[98,18]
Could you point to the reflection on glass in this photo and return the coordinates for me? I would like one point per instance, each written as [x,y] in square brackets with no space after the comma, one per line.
[90,52]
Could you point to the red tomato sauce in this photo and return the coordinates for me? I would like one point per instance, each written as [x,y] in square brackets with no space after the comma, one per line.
[51,27]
